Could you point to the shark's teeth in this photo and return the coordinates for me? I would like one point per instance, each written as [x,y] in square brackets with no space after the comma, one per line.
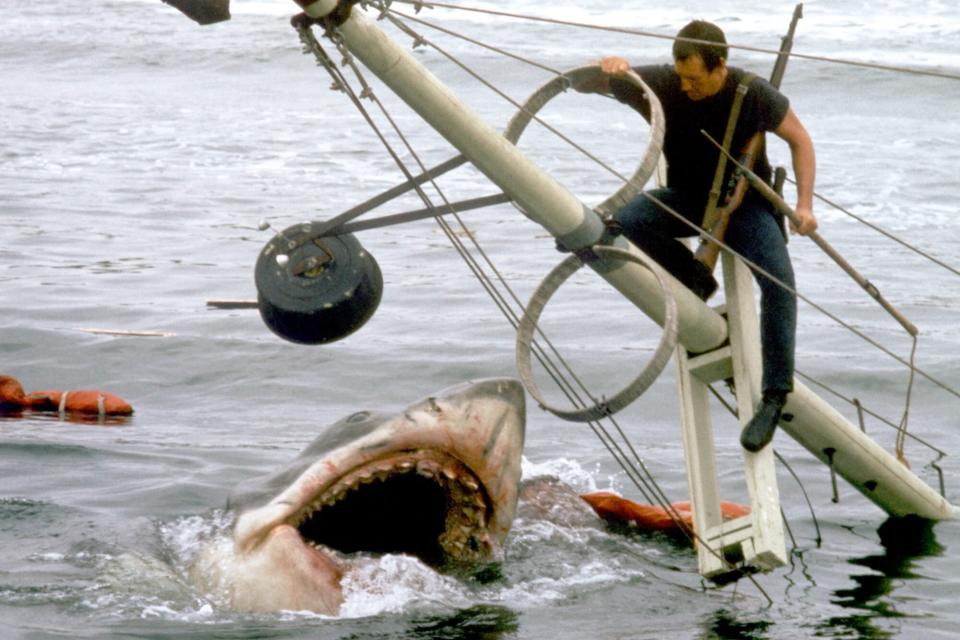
[428,469]
[464,538]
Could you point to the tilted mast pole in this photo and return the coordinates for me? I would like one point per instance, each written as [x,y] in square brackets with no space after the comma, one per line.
[816,425]
[541,198]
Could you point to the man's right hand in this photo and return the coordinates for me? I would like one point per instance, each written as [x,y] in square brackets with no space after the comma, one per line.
[614,66]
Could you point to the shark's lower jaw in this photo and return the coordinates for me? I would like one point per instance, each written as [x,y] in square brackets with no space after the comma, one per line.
[424,503]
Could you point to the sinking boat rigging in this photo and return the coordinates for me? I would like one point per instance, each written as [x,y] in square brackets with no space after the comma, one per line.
[726,342]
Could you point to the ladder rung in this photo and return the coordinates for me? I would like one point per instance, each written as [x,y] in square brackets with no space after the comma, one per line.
[711,366]
[731,531]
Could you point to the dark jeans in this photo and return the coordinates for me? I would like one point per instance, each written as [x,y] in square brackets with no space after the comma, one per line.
[753,233]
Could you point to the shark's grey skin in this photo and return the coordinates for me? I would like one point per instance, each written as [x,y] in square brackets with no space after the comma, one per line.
[438,480]
[203,11]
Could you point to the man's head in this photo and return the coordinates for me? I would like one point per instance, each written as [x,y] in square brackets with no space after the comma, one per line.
[702,66]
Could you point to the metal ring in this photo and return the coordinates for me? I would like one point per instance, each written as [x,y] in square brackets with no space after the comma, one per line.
[585,74]
[634,389]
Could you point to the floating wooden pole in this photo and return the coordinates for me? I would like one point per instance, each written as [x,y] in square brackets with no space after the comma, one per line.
[126,332]
[229,303]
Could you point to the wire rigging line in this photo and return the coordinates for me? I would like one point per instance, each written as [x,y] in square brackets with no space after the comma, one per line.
[420,39]
[885,233]
[649,34]
[465,38]
[622,450]
[637,471]
[854,402]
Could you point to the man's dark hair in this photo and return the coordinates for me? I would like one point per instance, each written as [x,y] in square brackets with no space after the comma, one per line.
[711,54]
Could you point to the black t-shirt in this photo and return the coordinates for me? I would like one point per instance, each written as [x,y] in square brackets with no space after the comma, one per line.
[691,158]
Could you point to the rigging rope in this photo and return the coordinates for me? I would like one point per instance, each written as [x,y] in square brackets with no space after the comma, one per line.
[884,232]
[649,34]
[418,38]
[634,468]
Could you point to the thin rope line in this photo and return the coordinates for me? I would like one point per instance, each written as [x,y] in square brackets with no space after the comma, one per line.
[650,34]
[886,421]
[700,232]
[884,232]
[902,430]
[501,93]
[642,480]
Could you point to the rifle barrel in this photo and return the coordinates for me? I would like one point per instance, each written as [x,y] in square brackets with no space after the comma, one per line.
[786,45]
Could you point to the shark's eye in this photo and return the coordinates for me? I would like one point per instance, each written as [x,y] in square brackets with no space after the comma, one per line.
[359,416]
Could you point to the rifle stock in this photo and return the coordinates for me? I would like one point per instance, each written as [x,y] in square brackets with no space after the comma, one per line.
[716,227]
[708,252]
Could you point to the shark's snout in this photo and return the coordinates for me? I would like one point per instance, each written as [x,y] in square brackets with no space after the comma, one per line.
[438,480]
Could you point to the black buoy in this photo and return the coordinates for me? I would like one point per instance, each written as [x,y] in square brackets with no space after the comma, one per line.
[314,290]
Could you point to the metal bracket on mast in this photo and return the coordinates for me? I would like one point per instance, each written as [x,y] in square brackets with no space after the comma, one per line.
[816,425]
[754,542]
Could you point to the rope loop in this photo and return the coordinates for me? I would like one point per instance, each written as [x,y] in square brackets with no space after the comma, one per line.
[528,324]
[585,75]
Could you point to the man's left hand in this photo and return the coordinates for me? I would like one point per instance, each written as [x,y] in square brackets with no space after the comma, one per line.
[806,221]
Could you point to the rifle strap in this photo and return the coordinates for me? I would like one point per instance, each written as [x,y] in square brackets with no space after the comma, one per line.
[714,197]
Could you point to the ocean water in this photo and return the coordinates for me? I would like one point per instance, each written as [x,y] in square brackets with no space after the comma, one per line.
[139,152]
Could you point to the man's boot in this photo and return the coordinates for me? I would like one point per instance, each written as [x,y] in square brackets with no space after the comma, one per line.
[759,431]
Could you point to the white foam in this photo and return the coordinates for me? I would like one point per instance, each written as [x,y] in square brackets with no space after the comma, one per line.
[567,470]
[395,583]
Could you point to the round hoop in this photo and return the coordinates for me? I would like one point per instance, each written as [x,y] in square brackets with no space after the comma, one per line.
[585,75]
[634,389]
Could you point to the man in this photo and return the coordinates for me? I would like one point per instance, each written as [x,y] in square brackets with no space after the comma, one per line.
[696,93]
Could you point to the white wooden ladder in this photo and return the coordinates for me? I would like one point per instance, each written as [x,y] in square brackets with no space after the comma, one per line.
[754,542]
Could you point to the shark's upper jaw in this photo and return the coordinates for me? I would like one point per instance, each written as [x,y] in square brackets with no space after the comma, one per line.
[428,503]
[438,481]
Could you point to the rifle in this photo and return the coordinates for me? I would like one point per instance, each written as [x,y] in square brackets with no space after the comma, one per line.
[783,208]
[716,222]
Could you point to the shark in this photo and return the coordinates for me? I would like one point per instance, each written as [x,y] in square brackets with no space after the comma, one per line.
[438,480]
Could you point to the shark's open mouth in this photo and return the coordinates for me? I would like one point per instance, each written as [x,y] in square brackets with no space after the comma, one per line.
[424,503]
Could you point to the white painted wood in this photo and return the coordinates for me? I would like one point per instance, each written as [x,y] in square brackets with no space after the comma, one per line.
[815,424]
[541,197]
[769,546]
[758,538]
[700,458]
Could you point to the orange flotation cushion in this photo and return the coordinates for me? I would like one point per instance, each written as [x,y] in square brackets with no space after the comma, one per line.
[11,393]
[80,401]
[12,398]
[645,517]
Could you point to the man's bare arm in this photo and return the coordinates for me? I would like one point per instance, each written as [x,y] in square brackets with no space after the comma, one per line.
[804,169]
